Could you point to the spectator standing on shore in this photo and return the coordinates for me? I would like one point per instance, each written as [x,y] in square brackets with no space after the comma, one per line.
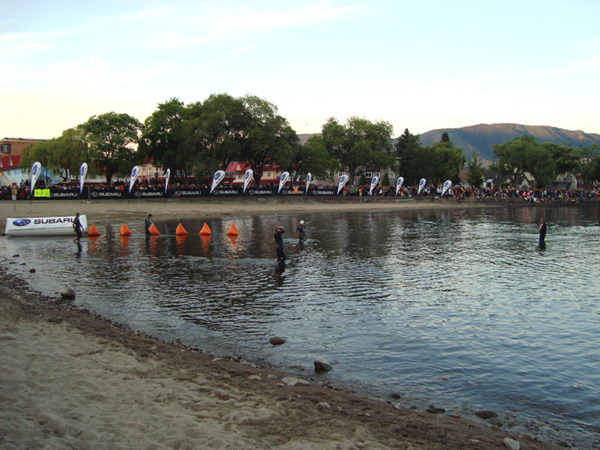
[542,230]
[279,241]
[148,224]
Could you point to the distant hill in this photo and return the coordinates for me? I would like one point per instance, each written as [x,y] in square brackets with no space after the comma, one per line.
[480,138]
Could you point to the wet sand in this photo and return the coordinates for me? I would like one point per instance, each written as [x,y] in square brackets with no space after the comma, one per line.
[69,379]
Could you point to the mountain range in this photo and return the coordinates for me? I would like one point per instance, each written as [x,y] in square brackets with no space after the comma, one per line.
[480,138]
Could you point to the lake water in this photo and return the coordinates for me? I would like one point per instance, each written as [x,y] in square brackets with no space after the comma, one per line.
[456,308]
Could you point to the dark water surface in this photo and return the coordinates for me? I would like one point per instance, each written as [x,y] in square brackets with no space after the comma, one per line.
[459,308]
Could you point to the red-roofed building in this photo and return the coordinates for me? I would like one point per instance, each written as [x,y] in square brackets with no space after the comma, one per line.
[11,150]
[271,174]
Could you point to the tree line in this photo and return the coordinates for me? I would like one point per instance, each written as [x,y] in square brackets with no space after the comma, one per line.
[198,138]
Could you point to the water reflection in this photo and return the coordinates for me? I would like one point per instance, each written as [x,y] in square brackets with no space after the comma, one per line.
[397,301]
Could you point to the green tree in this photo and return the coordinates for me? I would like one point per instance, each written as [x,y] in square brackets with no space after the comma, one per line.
[215,131]
[163,140]
[513,158]
[476,171]
[589,164]
[267,137]
[411,157]
[386,179]
[447,162]
[359,143]
[111,138]
[65,153]
[313,157]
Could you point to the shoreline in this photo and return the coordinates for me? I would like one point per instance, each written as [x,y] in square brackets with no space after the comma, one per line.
[73,379]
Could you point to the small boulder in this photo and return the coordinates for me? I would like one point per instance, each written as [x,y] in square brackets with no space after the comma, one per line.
[32,270]
[67,294]
[486,415]
[322,365]
[276,340]
[512,444]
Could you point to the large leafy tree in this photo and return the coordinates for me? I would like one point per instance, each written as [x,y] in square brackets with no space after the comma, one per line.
[65,153]
[268,138]
[112,138]
[313,157]
[512,157]
[215,131]
[359,143]
[589,164]
[163,140]
[447,162]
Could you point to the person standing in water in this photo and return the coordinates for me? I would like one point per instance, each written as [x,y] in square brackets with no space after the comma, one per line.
[301,232]
[77,227]
[148,224]
[542,230]
[279,241]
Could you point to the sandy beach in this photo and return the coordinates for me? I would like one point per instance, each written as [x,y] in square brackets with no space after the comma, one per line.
[69,379]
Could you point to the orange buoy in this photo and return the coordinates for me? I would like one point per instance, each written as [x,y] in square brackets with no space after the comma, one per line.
[180,231]
[205,231]
[153,230]
[232,230]
[93,231]
[125,231]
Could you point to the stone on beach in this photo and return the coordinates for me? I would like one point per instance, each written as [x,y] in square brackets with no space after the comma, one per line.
[322,365]
[276,340]
[67,294]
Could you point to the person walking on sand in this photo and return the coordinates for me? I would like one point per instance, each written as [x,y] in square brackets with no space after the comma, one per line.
[77,227]
[542,230]
[279,241]
[148,224]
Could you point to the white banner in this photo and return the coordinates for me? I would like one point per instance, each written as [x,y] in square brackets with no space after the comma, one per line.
[308,179]
[82,174]
[446,186]
[422,184]
[247,177]
[134,174]
[399,183]
[167,176]
[36,168]
[374,182]
[342,183]
[43,226]
[217,178]
[285,176]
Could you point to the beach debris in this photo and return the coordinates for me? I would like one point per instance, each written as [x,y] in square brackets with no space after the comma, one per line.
[16,256]
[93,231]
[232,230]
[125,231]
[395,395]
[181,231]
[486,415]
[276,340]
[67,294]
[32,271]
[205,231]
[322,365]
[512,444]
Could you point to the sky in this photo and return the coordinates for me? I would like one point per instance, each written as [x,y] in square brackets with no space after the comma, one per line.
[420,65]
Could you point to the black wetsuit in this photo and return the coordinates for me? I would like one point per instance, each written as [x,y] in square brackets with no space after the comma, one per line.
[279,241]
[301,233]
[78,228]
[542,234]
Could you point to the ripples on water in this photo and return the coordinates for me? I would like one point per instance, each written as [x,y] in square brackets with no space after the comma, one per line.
[457,308]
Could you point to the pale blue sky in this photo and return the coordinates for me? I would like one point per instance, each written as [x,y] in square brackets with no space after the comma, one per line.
[420,65]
